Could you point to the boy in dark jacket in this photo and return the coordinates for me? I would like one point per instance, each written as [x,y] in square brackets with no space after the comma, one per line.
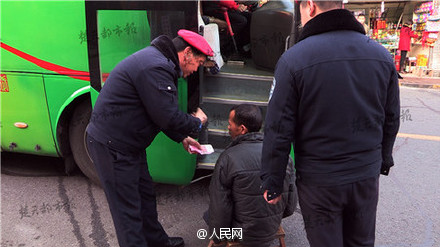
[336,98]
[234,192]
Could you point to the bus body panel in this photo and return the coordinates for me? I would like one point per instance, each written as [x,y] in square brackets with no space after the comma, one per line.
[40,39]
[25,104]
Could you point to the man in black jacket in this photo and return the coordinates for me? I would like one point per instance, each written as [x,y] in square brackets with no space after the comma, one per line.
[137,101]
[235,193]
[336,98]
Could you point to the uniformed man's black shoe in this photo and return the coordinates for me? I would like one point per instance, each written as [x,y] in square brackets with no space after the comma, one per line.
[175,242]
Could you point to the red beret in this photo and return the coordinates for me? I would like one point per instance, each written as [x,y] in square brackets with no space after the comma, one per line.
[197,41]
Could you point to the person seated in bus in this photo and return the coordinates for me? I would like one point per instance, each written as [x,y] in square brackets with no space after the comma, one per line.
[234,190]
[240,18]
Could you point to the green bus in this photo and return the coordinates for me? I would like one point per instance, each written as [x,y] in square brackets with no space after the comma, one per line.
[56,55]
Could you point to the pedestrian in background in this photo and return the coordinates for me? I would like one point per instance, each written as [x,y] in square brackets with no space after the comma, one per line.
[138,100]
[405,43]
[361,19]
[336,99]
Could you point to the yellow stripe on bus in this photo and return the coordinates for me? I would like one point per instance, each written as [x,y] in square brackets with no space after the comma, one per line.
[420,137]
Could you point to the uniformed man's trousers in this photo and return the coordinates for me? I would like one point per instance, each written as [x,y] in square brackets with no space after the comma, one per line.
[130,195]
[340,216]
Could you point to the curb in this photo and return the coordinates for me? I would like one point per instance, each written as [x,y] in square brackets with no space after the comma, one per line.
[416,85]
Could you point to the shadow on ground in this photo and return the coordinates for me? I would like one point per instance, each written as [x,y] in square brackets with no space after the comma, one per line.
[26,165]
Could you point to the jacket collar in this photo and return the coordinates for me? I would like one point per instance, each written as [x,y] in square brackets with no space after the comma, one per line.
[333,20]
[248,137]
[165,45]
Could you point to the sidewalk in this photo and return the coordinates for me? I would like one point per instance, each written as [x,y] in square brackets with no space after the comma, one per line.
[411,80]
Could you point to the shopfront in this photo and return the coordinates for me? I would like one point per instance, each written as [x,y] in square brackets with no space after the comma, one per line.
[384,21]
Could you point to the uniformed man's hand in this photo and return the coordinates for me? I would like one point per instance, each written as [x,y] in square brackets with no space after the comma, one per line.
[190,141]
[200,115]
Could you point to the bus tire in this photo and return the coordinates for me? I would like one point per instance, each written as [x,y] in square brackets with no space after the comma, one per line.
[77,138]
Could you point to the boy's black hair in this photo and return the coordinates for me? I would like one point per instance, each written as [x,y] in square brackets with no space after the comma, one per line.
[326,4]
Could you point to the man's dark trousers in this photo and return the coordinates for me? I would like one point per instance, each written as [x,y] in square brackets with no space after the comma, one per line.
[130,195]
[340,216]
[402,60]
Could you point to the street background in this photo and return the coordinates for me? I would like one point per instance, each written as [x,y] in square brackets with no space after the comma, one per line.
[42,207]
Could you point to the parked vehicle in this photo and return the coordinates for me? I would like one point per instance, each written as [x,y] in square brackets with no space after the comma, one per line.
[56,56]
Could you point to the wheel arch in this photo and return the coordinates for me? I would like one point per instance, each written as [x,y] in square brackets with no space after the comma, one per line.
[64,116]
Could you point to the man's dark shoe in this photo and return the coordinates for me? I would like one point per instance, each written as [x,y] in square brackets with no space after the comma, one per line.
[175,242]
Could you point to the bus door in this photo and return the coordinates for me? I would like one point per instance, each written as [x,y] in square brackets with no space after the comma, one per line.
[115,30]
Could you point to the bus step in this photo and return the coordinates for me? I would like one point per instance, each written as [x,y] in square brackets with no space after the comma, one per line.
[208,161]
[221,99]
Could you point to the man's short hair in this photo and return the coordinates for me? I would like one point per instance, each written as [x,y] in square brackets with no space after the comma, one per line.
[325,5]
[248,115]
[181,44]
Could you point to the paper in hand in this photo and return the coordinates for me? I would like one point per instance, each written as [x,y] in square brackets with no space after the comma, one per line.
[206,149]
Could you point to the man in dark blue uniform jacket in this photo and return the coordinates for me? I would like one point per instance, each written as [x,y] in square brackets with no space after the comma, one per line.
[137,101]
[336,99]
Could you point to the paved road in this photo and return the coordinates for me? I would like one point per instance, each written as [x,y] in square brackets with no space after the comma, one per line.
[54,210]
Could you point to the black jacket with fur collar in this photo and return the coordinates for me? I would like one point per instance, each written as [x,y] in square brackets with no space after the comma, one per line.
[338,19]
[336,99]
